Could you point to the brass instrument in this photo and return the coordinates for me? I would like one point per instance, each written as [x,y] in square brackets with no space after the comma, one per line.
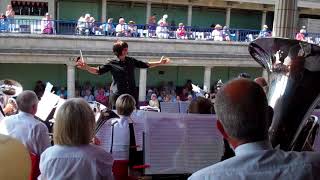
[294,88]
[9,89]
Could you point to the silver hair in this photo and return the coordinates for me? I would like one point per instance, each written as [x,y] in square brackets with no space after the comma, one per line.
[244,113]
[26,100]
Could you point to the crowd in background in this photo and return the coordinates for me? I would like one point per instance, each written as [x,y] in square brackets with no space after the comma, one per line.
[161,29]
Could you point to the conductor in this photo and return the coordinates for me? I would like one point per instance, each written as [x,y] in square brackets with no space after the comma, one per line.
[122,70]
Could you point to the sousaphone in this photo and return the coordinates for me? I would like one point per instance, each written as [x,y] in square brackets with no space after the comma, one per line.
[9,89]
[294,87]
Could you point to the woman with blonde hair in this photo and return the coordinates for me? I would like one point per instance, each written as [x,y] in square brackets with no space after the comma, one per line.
[72,156]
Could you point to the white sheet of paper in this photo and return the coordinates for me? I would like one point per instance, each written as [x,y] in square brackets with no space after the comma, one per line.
[48,88]
[46,104]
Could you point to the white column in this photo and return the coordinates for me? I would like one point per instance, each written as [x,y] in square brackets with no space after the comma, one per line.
[148,13]
[51,8]
[190,15]
[228,15]
[142,84]
[264,19]
[71,80]
[285,17]
[206,80]
[103,10]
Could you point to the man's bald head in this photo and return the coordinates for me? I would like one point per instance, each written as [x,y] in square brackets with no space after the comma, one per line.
[242,108]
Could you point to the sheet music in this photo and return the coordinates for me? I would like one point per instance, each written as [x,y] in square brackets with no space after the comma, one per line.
[139,118]
[205,143]
[184,106]
[181,143]
[164,142]
[169,107]
[104,135]
[46,104]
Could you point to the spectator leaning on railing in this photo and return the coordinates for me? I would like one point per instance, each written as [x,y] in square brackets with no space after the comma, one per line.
[217,33]
[47,24]
[122,28]
[109,28]
[132,29]
[181,32]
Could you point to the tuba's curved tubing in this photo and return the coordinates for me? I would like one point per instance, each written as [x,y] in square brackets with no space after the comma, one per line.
[10,89]
[294,84]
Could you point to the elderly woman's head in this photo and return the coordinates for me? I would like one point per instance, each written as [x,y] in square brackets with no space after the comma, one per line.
[125,105]
[154,97]
[74,124]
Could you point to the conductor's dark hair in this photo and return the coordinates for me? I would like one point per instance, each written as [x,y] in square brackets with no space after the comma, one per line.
[118,47]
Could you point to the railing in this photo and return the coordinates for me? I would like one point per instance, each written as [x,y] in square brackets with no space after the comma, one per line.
[60,27]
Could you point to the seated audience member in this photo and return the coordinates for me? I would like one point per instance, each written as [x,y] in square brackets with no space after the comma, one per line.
[101,97]
[47,24]
[217,33]
[62,92]
[14,158]
[177,99]
[189,98]
[181,32]
[109,28]
[162,30]
[152,25]
[10,12]
[84,25]
[132,29]
[164,20]
[4,23]
[121,28]
[301,36]
[226,33]
[39,89]
[243,118]
[264,32]
[154,101]
[24,127]
[88,96]
[72,156]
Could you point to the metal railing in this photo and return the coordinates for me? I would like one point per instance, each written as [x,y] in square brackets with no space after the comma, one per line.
[62,27]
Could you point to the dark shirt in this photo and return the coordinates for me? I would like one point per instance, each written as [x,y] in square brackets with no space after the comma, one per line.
[122,74]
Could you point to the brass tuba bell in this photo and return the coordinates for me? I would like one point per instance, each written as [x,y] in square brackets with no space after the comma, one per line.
[10,87]
[8,90]
[294,86]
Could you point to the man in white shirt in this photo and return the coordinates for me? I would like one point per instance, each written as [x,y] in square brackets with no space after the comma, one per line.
[24,127]
[121,28]
[243,118]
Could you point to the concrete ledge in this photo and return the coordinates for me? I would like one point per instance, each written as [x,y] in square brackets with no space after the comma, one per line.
[33,48]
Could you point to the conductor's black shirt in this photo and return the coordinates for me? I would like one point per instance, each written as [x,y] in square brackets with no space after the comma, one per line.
[122,74]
